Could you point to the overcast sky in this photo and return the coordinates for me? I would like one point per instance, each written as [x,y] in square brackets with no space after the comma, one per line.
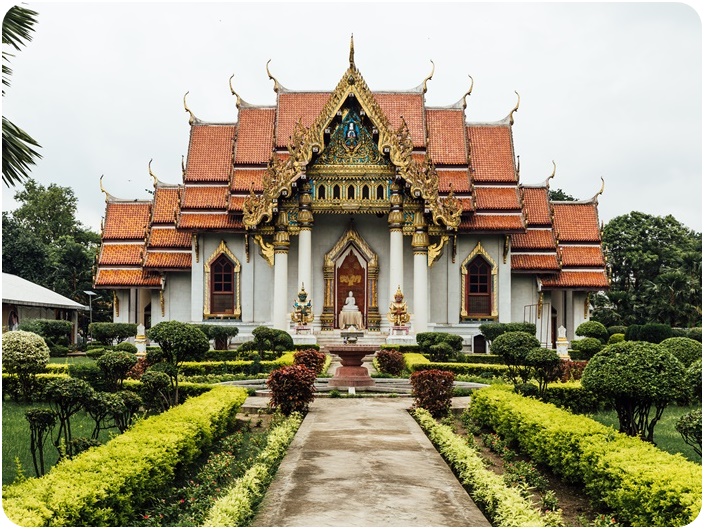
[607,90]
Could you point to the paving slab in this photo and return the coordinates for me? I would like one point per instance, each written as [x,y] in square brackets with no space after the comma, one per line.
[365,462]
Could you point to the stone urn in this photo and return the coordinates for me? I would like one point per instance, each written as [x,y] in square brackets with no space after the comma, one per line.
[351,373]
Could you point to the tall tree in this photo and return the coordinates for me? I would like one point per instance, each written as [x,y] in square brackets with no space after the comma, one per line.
[655,265]
[559,194]
[18,151]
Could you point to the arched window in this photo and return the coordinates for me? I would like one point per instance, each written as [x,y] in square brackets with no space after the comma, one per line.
[365,192]
[336,192]
[478,288]
[380,192]
[321,192]
[222,286]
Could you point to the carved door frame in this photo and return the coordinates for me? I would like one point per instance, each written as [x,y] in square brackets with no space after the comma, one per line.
[351,238]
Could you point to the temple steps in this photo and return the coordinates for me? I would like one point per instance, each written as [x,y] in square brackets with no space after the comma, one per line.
[333,337]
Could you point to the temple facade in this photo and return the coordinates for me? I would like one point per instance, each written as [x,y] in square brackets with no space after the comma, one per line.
[353,195]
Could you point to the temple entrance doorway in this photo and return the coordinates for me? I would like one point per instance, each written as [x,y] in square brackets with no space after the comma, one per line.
[351,277]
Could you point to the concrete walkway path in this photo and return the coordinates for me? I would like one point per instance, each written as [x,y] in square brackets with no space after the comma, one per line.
[364,462]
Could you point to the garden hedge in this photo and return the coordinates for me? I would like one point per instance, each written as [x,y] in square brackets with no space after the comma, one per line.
[107,485]
[641,484]
[504,506]
[418,362]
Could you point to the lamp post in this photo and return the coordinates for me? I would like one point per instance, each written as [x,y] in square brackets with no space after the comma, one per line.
[90,294]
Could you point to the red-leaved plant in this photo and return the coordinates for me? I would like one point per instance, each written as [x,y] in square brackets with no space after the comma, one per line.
[432,390]
[292,388]
[390,361]
[310,358]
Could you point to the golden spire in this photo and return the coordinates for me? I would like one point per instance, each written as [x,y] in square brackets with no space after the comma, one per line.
[277,86]
[352,66]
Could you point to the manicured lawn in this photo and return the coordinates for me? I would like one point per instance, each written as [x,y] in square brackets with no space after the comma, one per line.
[666,437]
[15,438]
[71,360]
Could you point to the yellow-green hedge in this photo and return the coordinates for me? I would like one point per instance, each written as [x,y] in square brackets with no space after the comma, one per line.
[418,362]
[641,484]
[104,486]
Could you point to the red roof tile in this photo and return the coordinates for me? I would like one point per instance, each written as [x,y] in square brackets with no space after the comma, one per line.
[568,279]
[169,238]
[537,207]
[121,254]
[210,153]
[458,179]
[467,204]
[575,222]
[491,153]
[492,223]
[204,221]
[533,240]
[236,202]
[246,179]
[205,197]
[582,256]
[126,220]
[168,260]
[255,135]
[111,277]
[410,106]
[165,204]
[505,198]
[534,262]
[447,137]
[293,106]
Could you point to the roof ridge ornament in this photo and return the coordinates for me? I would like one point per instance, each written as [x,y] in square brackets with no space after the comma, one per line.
[515,109]
[232,91]
[192,119]
[469,92]
[277,85]
[352,65]
[154,178]
[425,82]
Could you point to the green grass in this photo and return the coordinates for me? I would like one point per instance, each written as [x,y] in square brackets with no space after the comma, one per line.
[666,437]
[71,360]
[15,438]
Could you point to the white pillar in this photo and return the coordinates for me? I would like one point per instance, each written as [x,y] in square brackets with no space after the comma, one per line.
[395,262]
[305,276]
[198,286]
[280,302]
[420,291]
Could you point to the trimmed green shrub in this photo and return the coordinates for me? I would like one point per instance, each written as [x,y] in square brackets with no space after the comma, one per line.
[689,427]
[573,397]
[66,397]
[525,326]
[615,338]
[441,352]
[268,339]
[695,333]
[127,347]
[636,376]
[513,347]
[24,355]
[482,358]
[390,361]
[96,352]
[482,370]
[492,330]
[292,388]
[452,345]
[298,347]
[641,484]
[504,506]
[108,485]
[432,390]
[115,365]
[593,329]
[633,333]
[693,380]
[41,424]
[236,507]
[685,350]
[401,347]
[56,333]
[617,329]
[90,372]
[545,364]
[220,334]
[586,348]
[222,355]
[310,358]
[108,333]
[655,332]
[10,385]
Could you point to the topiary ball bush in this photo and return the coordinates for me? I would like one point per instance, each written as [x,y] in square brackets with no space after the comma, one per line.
[127,347]
[587,347]
[616,337]
[593,329]
[685,349]
[24,354]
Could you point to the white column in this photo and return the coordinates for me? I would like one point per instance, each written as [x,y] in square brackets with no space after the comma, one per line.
[420,291]
[198,287]
[280,302]
[305,276]
[395,262]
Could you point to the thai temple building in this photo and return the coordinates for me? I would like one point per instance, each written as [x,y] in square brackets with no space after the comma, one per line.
[354,196]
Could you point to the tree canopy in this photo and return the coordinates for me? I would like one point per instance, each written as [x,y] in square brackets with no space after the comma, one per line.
[656,272]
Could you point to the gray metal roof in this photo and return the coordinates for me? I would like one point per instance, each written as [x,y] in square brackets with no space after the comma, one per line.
[19,291]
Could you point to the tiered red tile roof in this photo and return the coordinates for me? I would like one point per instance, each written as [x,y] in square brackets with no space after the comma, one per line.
[474,161]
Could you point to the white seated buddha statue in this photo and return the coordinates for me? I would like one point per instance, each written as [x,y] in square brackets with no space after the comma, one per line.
[350,304]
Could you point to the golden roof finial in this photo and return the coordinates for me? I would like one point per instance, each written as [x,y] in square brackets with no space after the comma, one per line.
[277,86]
[183,165]
[469,92]
[352,66]
[232,91]
[515,109]
[192,118]
[602,186]
[554,169]
[425,82]
[101,186]
[149,165]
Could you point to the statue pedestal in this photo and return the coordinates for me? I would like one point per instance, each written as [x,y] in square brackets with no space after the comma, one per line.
[350,317]
[140,341]
[304,339]
[562,344]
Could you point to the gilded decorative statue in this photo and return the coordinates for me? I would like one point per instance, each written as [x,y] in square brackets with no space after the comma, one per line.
[398,310]
[302,308]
